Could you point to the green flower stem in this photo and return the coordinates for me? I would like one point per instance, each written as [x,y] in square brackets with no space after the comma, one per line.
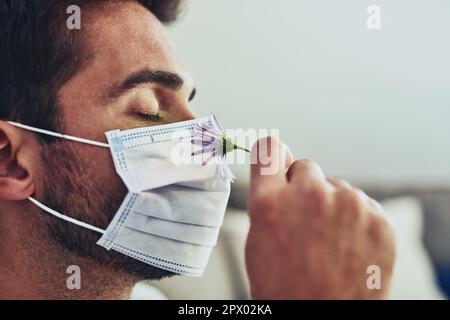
[241,148]
[229,145]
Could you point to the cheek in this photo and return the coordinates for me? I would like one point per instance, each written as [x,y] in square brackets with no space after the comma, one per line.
[100,174]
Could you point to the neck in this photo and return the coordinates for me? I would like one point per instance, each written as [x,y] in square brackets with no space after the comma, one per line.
[33,267]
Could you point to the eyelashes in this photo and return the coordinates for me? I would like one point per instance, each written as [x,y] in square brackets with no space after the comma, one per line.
[192,96]
[151,117]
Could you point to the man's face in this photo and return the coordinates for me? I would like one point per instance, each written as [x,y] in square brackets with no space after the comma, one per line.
[133,79]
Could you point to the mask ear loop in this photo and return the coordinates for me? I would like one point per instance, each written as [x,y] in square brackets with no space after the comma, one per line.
[66,218]
[68,137]
[60,135]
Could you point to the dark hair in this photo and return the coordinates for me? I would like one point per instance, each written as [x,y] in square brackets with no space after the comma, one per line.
[37,54]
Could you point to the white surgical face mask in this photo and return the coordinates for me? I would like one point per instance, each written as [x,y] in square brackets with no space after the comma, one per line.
[174,208]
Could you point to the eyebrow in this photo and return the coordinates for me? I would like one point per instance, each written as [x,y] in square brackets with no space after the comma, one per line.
[167,79]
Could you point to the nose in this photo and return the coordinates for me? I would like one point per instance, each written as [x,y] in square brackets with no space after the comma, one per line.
[179,111]
[177,106]
[184,112]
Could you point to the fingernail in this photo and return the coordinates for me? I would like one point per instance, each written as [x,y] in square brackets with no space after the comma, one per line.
[289,151]
[286,157]
[285,153]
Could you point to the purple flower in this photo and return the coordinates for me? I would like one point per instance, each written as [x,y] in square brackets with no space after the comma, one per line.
[212,142]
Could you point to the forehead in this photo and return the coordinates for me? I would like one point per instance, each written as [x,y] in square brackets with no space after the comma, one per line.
[126,37]
[122,38]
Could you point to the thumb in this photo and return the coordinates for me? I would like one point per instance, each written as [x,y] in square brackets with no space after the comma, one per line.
[270,159]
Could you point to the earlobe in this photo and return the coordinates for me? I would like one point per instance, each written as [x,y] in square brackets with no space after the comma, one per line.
[16,182]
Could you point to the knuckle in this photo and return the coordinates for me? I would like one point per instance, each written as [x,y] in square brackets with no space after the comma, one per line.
[380,227]
[338,182]
[348,197]
[306,164]
[315,190]
[316,197]
[361,194]
[303,165]
[349,204]
[378,221]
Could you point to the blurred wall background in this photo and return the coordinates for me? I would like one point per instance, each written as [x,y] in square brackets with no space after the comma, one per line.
[372,106]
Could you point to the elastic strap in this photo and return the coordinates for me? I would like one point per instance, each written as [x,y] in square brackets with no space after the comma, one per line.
[60,135]
[63,217]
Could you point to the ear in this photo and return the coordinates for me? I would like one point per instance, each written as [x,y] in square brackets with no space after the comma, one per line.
[16,158]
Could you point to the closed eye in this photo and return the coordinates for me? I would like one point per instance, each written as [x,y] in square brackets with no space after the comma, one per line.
[150,117]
